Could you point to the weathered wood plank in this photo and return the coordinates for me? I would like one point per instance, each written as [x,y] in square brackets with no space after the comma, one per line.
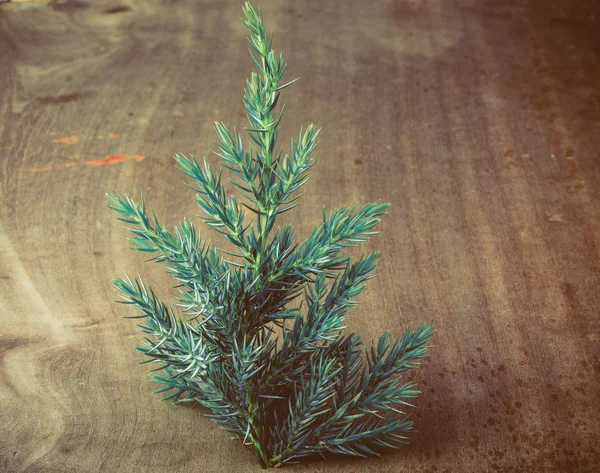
[479,121]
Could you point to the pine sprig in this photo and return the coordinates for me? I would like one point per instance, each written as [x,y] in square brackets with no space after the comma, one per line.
[183,355]
[283,378]
[325,314]
[312,394]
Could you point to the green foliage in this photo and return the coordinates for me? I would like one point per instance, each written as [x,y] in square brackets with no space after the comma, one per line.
[281,377]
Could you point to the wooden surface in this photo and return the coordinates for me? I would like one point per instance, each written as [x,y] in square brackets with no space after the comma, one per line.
[478,120]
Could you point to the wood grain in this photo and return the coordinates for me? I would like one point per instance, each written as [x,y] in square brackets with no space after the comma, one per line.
[478,120]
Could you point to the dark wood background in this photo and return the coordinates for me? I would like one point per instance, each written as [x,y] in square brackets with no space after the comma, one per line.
[478,120]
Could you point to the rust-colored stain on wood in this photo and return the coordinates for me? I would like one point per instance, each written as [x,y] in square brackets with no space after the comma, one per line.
[478,120]
[114,158]
[110,159]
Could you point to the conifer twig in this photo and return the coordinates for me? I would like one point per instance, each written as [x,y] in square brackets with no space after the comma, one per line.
[282,378]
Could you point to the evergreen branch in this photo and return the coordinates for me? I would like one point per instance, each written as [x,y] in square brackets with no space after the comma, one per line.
[187,257]
[310,403]
[374,390]
[286,394]
[174,341]
[356,426]
[194,264]
[343,228]
[195,374]
[182,353]
[224,214]
[288,268]
[324,319]
[359,436]
[243,164]
[386,359]
[347,351]
[248,358]
[293,169]
[358,416]
[260,98]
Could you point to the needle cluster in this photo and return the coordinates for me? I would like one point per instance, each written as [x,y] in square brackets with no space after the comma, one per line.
[279,375]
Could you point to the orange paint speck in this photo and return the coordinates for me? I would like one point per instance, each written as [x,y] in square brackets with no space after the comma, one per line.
[69,140]
[112,136]
[115,158]
[107,160]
